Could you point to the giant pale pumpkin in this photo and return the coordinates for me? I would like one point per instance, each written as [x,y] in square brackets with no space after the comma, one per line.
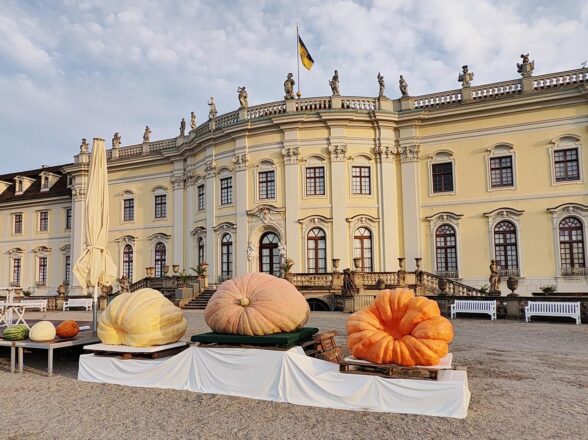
[256,304]
[42,331]
[141,319]
[399,328]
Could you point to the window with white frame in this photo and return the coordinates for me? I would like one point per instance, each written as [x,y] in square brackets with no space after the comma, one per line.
[43,221]
[361,180]
[506,248]
[67,275]
[316,251]
[362,248]
[571,245]
[201,257]
[226,256]
[128,258]
[201,198]
[128,209]
[160,259]
[566,165]
[17,223]
[16,270]
[226,190]
[42,270]
[501,171]
[160,202]
[446,251]
[68,218]
[315,181]
[442,175]
[267,184]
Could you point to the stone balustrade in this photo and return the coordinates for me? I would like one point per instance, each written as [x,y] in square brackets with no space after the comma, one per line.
[568,78]
[437,99]
[496,90]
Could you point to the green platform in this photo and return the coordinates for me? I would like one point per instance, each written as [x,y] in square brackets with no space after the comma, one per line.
[285,340]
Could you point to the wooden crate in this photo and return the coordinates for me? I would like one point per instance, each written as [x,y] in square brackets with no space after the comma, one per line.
[323,346]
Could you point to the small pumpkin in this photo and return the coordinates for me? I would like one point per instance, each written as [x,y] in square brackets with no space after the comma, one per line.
[42,331]
[67,329]
[141,319]
[256,304]
[399,328]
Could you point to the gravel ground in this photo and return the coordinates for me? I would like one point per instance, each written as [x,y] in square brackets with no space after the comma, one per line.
[528,381]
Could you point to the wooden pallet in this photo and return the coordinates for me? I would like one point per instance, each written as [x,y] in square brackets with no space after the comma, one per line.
[388,370]
[143,355]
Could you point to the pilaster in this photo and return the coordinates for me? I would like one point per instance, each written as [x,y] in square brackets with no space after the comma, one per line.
[291,152]
[409,157]
[241,195]
[339,191]
[211,243]
[189,256]
[178,181]
[388,207]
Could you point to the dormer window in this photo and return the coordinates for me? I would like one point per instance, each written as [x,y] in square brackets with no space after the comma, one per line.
[45,182]
[48,180]
[19,186]
[22,184]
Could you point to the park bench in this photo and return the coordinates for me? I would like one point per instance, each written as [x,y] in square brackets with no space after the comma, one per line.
[552,308]
[40,304]
[474,306]
[78,302]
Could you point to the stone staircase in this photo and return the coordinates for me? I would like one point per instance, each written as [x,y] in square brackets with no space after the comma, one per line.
[200,302]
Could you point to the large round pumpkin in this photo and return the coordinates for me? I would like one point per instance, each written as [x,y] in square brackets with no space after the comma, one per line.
[399,328]
[42,331]
[141,319]
[256,304]
[67,329]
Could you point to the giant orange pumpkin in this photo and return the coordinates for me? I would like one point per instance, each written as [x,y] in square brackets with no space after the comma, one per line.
[399,328]
[256,304]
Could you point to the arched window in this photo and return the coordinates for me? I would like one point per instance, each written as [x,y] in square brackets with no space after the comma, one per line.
[505,247]
[227,256]
[200,250]
[160,257]
[446,251]
[362,248]
[316,251]
[128,262]
[571,245]
[269,254]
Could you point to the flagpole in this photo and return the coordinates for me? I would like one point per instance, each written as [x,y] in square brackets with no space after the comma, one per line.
[298,59]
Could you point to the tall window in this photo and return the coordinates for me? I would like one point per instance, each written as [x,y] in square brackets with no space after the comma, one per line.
[67,276]
[269,254]
[316,251]
[18,223]
[68,218]
[571,244]
[442,177]
[200,250]
[362,248]
[226,256]
[505,246]
[201,198]
[267,185]
[160,206]
[42,273]
[128,262]
[360,180]
[315,181]
[566,165]
[226,190]
[501,171]
[128,210]
[43,221]
[446,251]
[16,270]
[160,257]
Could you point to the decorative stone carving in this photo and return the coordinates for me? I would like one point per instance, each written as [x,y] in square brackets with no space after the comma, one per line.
[265,215]
[210,169]
[382,85]
[362,220]
[337,153]
[334,83]
[409,153]
[250,251]
[291,155]
[192,121]
[440,218]
[240,161]
[147,134]
[282,249]
[403,85]
[384,153]
[212,112]
[225,227]
[178,181]
[243,97]
[526,68]
[78,194]
[116,140]
[183,127]
[289,86]
[465,77]
[84,147]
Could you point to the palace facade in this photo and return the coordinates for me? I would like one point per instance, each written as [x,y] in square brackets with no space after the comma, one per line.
[456,178]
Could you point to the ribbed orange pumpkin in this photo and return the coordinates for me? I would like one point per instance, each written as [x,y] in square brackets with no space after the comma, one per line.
[399,328]
[67,329]
[256,304]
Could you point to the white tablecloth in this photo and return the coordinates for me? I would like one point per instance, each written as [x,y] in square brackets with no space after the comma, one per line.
[283,376]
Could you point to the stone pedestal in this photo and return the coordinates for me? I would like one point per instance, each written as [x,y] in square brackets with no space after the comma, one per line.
[466,94]
[406,103]
[513,310]
[184,293]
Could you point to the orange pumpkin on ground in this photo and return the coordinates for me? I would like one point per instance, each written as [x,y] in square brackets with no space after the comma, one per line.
[256,304]
[399,328]
[67,329]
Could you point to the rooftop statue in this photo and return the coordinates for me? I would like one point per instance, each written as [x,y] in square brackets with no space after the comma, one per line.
[382,85]
[192,121]
[147,134]
[289,86]
[84,146]
[465,77]
[243,97]
[334,83]
[212,109]
[403,85]
[526,67]
[182,127]
[116,140]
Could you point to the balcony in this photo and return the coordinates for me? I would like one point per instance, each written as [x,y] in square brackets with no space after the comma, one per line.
[512,272]
[574,271]
[447,274]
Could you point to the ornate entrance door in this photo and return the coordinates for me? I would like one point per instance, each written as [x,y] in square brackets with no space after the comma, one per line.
[269,254]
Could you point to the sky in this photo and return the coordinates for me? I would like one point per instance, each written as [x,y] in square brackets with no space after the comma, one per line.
[83,69]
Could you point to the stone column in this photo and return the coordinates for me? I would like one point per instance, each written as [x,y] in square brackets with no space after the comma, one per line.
[409,156]
[388,208]
[241,195]
[178,183]
[290,151]
[211,242]
[339,190]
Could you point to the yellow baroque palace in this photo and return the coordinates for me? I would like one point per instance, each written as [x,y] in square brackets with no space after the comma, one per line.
[456,178]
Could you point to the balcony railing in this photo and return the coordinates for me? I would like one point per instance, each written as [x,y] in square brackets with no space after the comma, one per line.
[447,273]
[574,271]
[505,273]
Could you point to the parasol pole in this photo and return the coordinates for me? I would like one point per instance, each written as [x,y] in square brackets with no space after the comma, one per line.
[95,310]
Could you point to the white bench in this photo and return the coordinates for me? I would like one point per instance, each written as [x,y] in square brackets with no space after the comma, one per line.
[474,306]
[78,302]
[552,308]
[40,304]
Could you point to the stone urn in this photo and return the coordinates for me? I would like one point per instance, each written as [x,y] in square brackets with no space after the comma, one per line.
[61,290]
[336,262]
[512,283]
[150,272]
[166,269]
[357,263]
[380,284]
[442,285]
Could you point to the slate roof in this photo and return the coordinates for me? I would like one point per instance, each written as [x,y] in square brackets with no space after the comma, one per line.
[34,191]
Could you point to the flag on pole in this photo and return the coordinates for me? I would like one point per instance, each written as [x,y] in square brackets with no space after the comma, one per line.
[305,57]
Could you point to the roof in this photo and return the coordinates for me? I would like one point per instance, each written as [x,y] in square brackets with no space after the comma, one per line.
[34,191]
